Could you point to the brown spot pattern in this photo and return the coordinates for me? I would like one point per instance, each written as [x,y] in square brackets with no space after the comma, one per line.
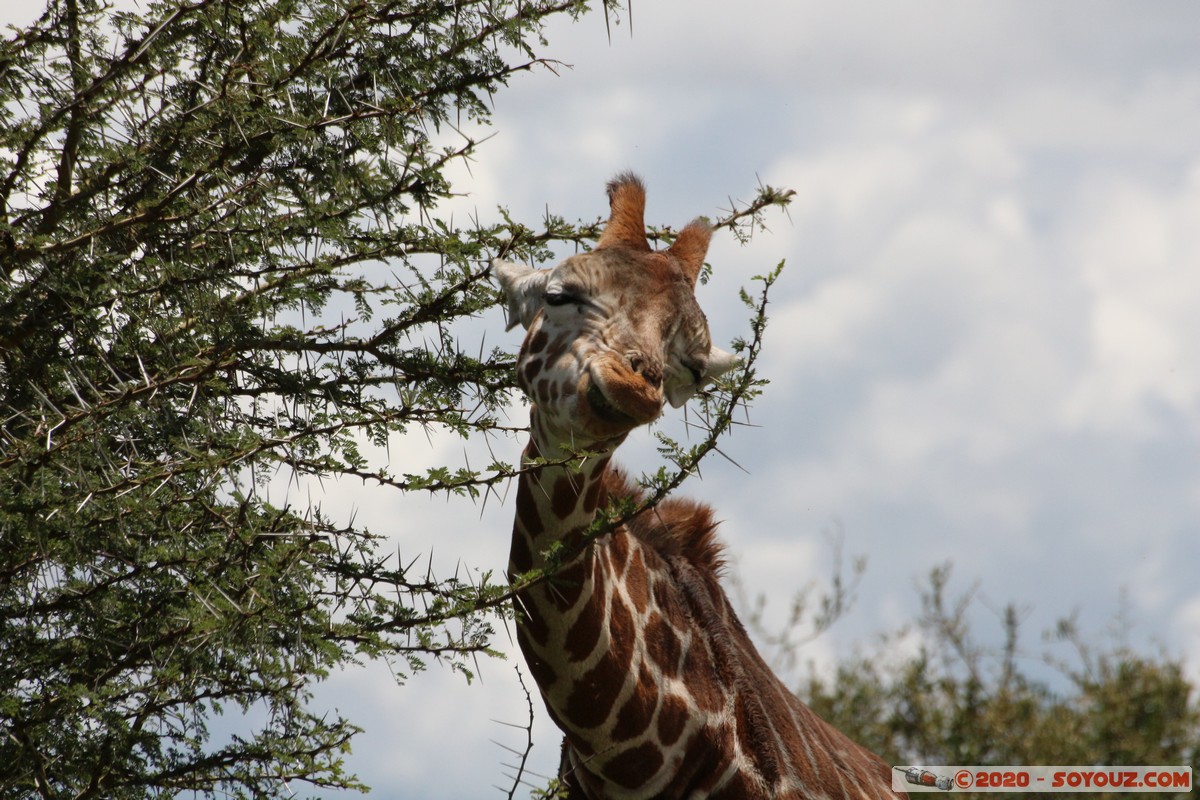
[620,625]
[635,716]
[636,584]
[585,632]
[700,756]
[527,511]
[596,495]
[530,620]
[739,787]
[529,373]
[592,697]
[537,342]
[662,645]
[541,670]
[564,498]
[672,718]
[635,766]
[618,549]
[698,673]
[520,559]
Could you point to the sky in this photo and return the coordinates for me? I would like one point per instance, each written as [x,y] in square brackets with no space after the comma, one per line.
[984,348]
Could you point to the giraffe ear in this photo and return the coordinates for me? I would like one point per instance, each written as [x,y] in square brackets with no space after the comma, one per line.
[627,210]
[523,288]
[691,246]
[719,362]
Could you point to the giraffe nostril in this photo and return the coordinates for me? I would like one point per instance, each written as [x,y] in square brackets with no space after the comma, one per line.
[649,370]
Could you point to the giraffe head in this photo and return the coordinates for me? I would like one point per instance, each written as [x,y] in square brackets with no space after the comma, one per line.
[616,332]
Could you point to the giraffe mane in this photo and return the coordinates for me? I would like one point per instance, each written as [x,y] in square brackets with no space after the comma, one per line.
[675,528]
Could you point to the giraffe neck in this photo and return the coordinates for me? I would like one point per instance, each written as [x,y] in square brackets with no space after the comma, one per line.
[593,641]
[642,663]
[575,631]
[556,504]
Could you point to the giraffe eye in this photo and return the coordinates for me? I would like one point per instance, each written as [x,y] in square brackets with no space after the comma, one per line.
[562,296]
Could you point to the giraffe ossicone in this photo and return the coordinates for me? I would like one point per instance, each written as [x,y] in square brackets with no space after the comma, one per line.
[635,648]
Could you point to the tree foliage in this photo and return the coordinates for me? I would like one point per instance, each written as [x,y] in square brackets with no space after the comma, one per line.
[222,262]
[959,700]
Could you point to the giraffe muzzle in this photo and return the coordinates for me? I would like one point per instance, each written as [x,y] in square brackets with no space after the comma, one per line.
[618,395]
[602,408]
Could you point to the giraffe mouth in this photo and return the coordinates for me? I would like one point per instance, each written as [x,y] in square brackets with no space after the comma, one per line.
[603,408]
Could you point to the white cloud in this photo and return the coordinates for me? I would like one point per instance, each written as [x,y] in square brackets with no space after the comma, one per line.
[412,732]
[1136,247]
[22,12]
[1185,640]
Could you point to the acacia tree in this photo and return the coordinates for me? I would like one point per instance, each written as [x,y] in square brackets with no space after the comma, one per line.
[991,699]
[222,259]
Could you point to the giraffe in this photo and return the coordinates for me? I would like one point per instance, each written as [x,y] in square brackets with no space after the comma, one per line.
[634,646]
